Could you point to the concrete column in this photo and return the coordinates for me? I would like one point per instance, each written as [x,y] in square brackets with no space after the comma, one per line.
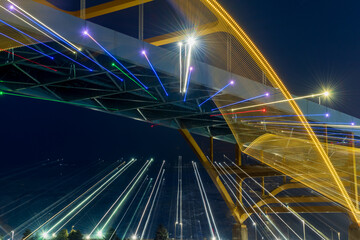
[239,232]
[354,232]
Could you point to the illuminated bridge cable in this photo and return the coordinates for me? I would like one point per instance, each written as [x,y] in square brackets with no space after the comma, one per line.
[156,74]
[207,202]
[188,68]
[237,187]
[152,204]
[281,203]
[233,172]
[45,45]
[87,203]
[37,29]
[203,200]
[71,203]
[137,208]
[188,82]
[128,208]
[148,201]
[25,45]
[114,65]
[126,191]
[117,174]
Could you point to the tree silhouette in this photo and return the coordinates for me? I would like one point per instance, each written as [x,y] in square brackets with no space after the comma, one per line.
[62,235]
[161,233]
[75,235]
[111,235]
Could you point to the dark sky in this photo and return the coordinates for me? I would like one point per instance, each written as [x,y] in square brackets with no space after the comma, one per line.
[309,43]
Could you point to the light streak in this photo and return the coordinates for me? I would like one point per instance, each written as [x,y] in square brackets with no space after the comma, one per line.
[45,45]
[137,208]
[54,100]
[234,181]
[209,215]
[17,7]
[188,64]
[152,205]
[180,65]
[86,33]
[114,65]
[147,203]
[153,69]
[250,111]
[131,185]
[222,89]
[270,194]
[128,208]
[279,101]
[29,60]
[188,82]
[44,54]
[90,200]
[117,174]
[71,203]
[242,101]
[260,60]
[9,11]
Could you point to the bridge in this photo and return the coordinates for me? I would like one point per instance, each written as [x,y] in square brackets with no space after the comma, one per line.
[61,57]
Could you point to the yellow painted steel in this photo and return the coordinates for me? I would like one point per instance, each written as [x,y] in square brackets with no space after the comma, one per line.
[101,9]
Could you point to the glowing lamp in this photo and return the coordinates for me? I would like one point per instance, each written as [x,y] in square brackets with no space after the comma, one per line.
[100,234]
[213,238]
[133,237]
[143,52]
[191,68]
[87,237]
[11,7]
[191,41]
[267,94]
[180,44]
[352,124]
[254,223]
[264,110]
[326,94]
[1,93]
[327,115]
[45,235]
[232,82]
[85,32]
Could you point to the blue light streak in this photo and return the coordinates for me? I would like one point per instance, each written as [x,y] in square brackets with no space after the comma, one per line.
[153,69]
[242,101]
[188,83]
[44,54]
[45,45]
[86,33]
[230,83]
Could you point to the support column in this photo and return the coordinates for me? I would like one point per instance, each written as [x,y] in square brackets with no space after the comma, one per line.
[354,232]
[212,149]
[239,232]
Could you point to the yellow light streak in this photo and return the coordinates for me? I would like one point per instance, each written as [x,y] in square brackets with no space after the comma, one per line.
[37,29]
[279,101]
[276,81]
[52,30]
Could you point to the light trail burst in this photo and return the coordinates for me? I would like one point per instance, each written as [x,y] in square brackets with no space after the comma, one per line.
[148,201]
[242,101]
[137,208]
[180,65]
[188,82]
[86,33]
[25,45]
[117,174]
[190,43]
[114,65]
[208,211]
[29,60]
[153,69]
[130,186]
[38,41]
[152,205]
[222,89]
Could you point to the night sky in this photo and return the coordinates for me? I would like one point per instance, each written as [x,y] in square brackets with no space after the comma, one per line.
[311,44]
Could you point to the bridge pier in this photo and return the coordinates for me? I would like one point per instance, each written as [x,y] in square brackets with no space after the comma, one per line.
[239,232]
[354,231]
